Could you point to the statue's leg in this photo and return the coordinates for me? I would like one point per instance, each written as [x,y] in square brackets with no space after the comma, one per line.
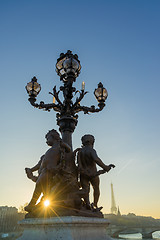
[41,187]
[46,183]
[86,187]
[96,192]
[35,196]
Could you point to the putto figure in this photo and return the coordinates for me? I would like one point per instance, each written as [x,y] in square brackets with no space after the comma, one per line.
[87,159]
[59,182]
[47,167]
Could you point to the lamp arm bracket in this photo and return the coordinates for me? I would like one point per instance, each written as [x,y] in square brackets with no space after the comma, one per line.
[78,99]
[91,109]
[44,106]
[55,94]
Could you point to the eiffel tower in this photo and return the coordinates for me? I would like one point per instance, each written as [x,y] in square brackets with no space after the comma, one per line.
[113,203]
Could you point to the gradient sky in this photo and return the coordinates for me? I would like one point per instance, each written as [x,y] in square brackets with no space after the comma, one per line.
[118,43]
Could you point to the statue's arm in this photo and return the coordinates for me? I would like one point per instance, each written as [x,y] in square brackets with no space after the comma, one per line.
[76,150]
[29,171]
[37,166]
[30,175]
[99,162]
[66,146]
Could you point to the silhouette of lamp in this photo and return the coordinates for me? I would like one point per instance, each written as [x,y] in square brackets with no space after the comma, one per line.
[101,93]
[68,68]
[33,88]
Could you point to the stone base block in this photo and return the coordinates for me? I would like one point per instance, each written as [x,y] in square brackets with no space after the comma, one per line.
[64,228]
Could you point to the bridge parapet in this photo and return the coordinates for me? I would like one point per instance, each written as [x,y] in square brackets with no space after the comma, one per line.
[146,232]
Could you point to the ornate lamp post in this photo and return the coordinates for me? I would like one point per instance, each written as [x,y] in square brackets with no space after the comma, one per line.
[68,68]
[63,182]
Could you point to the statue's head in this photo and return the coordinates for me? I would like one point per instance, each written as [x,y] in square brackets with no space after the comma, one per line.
[52,136]
[87,140]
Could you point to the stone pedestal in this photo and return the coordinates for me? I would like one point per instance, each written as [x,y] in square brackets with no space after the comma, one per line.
[64,228]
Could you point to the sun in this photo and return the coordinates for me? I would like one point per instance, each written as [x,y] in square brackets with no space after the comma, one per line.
[46,203]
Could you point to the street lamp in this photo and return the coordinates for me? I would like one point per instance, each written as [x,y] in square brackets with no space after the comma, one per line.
[101,93]
[62,177]
[33,88]
[68,68]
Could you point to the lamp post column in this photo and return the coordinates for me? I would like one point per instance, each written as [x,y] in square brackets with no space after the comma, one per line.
[67,125]
[66,120]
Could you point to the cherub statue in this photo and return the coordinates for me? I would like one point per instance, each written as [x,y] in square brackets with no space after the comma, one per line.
[47,167]
[87,159]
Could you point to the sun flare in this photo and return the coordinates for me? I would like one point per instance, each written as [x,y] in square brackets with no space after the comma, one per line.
[46,203]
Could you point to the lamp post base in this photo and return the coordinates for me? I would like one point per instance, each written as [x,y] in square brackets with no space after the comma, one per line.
[67,228]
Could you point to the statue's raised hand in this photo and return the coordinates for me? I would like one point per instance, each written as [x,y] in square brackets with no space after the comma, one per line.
[109,167]
[112,166]
[30,174]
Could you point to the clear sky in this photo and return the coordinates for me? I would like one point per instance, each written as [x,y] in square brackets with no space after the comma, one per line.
[118,43]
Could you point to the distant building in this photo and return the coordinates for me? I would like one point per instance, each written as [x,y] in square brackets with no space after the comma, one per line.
[113,203]
[7,210]
[118,212]
[8,219]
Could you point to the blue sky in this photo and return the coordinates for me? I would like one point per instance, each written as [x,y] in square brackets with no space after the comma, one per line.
[118,44]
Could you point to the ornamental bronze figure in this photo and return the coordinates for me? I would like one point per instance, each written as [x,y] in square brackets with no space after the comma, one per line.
[87,160]
[48,166]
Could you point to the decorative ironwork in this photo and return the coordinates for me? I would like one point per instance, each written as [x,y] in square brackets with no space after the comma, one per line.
[68,68]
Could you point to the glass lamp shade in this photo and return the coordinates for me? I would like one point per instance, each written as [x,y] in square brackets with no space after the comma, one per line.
[59,67]
[33,87]
[68,64]
[101,93]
